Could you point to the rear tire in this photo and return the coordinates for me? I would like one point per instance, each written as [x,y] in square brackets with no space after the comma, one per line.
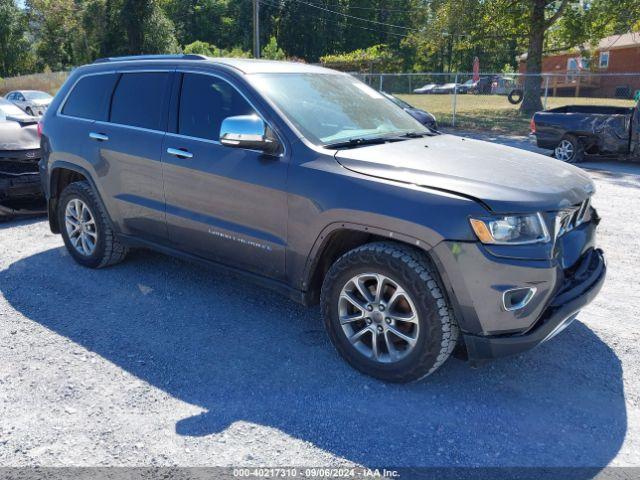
[85,228]
[569,150]
[365,321]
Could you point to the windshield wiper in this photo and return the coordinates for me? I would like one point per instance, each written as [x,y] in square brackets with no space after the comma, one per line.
[417,134]
[358,141]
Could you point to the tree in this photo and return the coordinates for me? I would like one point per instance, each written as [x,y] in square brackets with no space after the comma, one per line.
[538,24]
[148,29]
[15,55]
[272,51]
[58,32]
[114,39]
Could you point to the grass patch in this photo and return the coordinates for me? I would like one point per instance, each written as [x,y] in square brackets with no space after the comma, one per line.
[493,112]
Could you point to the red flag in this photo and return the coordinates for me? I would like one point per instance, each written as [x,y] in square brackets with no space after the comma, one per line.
[476,69]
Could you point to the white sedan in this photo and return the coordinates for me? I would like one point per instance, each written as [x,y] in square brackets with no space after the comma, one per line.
[34,102]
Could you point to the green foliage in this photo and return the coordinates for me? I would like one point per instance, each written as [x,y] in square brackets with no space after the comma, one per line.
[158,32]
[204,48]
[201,48]
[272,51]
[364,35]
[379,58]
[148,29]
[15,55]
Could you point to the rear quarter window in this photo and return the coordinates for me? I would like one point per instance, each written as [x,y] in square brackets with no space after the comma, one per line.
[141,100]
[90,97]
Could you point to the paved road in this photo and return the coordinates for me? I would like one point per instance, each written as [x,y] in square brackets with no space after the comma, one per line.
[160,362]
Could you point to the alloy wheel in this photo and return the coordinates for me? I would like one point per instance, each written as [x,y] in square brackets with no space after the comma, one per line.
[81,227]
[565,151]
[378,317]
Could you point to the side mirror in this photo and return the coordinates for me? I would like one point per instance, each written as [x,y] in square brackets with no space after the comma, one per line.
[247,131]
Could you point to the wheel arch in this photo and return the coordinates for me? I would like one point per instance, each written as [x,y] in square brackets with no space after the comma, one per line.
[336,240]
[61,175]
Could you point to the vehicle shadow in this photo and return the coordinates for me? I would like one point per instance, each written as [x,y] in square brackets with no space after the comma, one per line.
[622,174]
[245,354]
[612,166]
[10,211]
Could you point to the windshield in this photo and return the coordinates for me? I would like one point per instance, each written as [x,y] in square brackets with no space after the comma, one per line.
[331,108]
[397,101]
[37,95]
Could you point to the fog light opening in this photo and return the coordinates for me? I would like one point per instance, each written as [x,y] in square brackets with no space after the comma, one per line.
[517,298]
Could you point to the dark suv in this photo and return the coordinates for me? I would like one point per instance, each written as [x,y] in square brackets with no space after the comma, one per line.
[310,182]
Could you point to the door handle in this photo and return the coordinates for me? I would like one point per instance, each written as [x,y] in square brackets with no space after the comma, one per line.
[178,152]
[99,137]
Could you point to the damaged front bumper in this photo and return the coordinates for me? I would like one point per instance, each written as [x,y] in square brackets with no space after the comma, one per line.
[20,187]
[576,290]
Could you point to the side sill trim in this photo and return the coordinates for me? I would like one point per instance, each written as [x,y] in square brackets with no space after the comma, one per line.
[282,288]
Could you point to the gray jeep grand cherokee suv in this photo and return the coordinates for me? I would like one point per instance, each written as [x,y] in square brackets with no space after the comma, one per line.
[413,242]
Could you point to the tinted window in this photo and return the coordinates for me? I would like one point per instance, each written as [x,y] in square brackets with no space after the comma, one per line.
[205,102]
[140,100]
[90,97]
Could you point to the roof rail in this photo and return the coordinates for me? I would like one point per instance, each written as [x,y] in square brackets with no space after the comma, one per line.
[131,58]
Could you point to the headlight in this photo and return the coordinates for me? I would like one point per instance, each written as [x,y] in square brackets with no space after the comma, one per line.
[511,229]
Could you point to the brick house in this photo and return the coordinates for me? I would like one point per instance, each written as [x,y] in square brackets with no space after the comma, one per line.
[577,72]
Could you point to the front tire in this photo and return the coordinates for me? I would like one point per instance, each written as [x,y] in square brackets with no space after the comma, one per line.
[85,228]
[29,111]
[386,313]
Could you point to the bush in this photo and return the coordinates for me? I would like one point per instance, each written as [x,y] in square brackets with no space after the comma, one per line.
[210,50]
[379,58]
[272,51]
[201,48]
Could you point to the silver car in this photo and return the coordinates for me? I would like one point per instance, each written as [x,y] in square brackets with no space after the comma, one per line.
[19,156]
[34,102]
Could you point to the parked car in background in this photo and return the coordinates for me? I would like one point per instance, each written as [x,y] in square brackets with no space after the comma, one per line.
[33,102]
[428,88]
[425,118]
[450,88]
[307,180]
[575,130]
[19,156]
[503,85]
[481,86]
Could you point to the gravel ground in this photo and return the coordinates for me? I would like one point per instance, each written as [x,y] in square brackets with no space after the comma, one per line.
[160,362]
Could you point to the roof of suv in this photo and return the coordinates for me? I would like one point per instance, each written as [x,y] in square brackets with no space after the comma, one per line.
[244,65]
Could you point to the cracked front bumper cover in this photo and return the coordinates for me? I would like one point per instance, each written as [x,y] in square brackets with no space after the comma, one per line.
[577,290]
[20,186]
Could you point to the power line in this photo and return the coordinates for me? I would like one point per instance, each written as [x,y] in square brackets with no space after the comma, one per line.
[354,17]
[277,3]
[376,9]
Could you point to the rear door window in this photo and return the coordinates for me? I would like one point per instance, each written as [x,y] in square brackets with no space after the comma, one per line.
[205,101]
[90,97]
[141,99]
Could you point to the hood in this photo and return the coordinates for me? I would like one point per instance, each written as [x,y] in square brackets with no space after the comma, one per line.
[505,179]
[41,103]
[15,136]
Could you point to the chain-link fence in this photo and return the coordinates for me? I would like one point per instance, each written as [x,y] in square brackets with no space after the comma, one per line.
[492,101]
[488,101]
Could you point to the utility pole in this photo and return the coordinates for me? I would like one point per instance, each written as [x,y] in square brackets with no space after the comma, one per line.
[256,28]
